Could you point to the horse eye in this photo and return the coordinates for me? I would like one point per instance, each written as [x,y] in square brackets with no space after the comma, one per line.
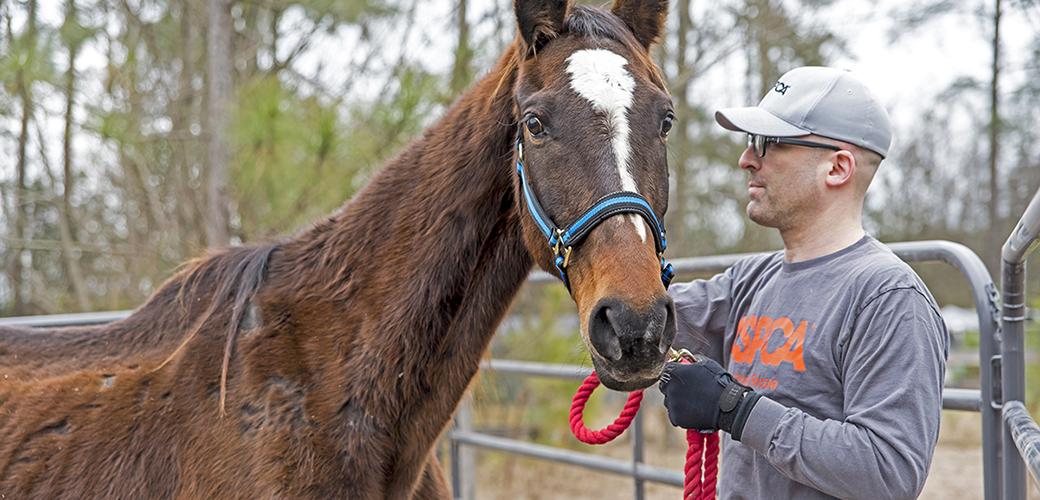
[666,125]
[534,125]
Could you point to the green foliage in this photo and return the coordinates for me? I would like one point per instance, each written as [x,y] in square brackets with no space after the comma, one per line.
[408,104]
[292,164]
[72,32]
[28,58]
[353,11]
[297,159]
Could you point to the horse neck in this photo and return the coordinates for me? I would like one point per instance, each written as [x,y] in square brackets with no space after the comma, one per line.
[431,243]
[460,167]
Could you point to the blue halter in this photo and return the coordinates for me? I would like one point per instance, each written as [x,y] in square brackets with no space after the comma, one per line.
[563,240]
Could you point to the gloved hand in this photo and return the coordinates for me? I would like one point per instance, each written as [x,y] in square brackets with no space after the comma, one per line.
[704,397]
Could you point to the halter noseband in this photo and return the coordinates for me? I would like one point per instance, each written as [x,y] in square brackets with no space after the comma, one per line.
[562,241]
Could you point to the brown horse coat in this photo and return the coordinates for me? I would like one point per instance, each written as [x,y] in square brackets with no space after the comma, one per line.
[347,347]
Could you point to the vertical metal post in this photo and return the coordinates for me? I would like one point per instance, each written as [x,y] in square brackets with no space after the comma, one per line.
[990,392]
[1013,379]
[637,453]
[463,461]
[1012,370]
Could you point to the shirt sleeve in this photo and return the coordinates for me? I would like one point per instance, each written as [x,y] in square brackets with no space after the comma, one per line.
[893,367]
[701,310]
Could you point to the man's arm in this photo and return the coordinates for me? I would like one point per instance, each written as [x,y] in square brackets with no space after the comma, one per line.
[892,371]
[701,309]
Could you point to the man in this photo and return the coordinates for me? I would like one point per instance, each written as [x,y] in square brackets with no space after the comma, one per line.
[834,350]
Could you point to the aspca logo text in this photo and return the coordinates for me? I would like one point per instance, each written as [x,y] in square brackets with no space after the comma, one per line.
[781,88]
[753,334]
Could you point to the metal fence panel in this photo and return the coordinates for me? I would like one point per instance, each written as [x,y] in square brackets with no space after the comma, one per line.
[1020,425]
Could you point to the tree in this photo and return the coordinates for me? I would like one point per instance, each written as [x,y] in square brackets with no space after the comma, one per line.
[23,85]
[26,63]
[996,235]
[73,35]
[964,102]
[220,98]
[462,72]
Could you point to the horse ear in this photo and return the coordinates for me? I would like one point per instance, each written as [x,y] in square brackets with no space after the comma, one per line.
[646,18]
[539,21]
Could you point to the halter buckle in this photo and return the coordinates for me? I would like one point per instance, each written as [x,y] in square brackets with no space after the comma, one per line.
[675,356]
[558,249]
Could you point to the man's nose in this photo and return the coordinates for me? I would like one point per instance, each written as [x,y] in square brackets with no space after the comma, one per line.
[748,160]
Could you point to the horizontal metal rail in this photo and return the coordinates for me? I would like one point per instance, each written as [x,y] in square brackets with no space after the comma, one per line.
[1026,434]
[637,470]
[75,319]
[962,399]
[953,399]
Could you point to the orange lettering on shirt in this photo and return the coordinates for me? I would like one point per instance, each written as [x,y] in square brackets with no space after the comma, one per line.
[739,353]
[762,331]
[792,350]
[776,356]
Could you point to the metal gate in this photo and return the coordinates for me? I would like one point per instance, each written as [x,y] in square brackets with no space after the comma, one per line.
[1007,427]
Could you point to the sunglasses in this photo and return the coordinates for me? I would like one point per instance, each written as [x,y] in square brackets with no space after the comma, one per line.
[758,143]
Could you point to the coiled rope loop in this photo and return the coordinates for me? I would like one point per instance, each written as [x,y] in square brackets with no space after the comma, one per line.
[702,455]
[611,431]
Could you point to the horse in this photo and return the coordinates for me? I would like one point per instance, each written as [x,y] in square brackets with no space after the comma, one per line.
[328,363]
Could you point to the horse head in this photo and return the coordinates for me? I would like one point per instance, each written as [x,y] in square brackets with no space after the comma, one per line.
[593,116]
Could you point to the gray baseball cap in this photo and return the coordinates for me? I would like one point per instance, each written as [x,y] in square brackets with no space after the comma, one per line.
[827,102]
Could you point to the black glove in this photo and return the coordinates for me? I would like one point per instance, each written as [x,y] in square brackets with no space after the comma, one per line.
[702,396]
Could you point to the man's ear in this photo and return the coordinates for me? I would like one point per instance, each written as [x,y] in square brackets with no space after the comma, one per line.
[538,21]
[842,166]
[646,18]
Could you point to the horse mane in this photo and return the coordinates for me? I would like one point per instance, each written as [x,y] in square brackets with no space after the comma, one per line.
[241,272]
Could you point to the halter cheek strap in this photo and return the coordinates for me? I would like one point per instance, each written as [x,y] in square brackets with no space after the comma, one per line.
[563,240]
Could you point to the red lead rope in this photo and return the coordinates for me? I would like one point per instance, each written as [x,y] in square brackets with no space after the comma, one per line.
[613,430]
[702,465]
[702,457]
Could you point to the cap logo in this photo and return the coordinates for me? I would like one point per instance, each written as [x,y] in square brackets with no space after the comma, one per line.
[781,88]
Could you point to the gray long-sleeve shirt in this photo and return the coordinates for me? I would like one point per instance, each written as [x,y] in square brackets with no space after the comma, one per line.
[849,351]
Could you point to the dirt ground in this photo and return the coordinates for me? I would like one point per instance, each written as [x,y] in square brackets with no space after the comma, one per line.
[956,471]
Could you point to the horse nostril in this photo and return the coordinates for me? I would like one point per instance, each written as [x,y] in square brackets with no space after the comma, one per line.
[664,309]
[602,332]
[617,331]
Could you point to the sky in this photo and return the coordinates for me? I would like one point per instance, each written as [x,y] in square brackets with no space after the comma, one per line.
[910,74]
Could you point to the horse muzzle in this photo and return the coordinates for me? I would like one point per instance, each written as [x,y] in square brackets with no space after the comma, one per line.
[629,347]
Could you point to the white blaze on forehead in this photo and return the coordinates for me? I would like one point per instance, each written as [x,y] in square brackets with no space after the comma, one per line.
[599,76]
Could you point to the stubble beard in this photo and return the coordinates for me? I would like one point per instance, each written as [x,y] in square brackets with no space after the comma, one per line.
[793,202]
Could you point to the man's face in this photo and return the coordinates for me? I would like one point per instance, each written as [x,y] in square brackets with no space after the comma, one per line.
[784,186]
